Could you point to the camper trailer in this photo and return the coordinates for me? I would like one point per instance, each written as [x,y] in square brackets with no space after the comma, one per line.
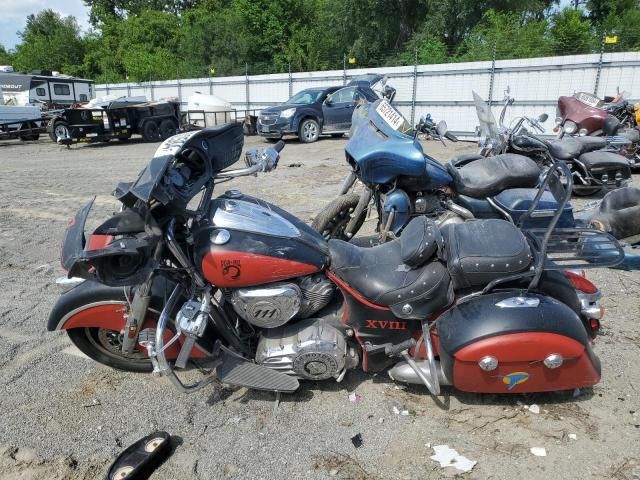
[43,87]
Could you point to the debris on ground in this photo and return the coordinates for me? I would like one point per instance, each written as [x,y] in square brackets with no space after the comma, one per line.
[354,397]
[448,457]
[534,408]
[294,165]
[357,440]
[573,436]
[539,451]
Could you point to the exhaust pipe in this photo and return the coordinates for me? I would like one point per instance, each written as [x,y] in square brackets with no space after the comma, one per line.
[403,372]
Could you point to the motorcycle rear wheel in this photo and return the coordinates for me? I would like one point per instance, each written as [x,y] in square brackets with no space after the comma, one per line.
[333,219]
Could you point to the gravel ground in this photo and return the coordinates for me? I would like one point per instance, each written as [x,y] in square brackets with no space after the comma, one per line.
[66,417]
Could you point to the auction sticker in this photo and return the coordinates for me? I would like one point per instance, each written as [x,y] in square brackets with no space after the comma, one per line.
[390,115]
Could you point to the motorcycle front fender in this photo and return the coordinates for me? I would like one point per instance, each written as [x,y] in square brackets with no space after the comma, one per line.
[397,201]
[94,305]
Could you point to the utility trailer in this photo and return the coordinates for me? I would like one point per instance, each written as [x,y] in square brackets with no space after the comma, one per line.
[199,119]
[25,129]
[118,119]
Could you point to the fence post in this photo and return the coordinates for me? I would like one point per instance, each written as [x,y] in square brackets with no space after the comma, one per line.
[210,86]
[415,86]
[151,87]
[595,88]
[344,69]
[290,82]
[128,90]
[246,82]
[179,92]
[493,73]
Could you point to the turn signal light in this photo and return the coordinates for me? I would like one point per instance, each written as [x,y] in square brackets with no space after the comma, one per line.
[554,360]
[581,283]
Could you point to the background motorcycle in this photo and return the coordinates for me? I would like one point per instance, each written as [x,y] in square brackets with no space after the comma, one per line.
[400,181]
[246,287]
[593,166]
[586,114]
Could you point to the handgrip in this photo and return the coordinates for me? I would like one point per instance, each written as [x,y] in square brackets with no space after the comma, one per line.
[279,146]
[393,350]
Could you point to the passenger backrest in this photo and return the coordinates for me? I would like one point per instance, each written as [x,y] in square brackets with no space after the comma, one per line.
[420,240]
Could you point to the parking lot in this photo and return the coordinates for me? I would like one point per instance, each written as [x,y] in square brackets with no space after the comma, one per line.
[66,417]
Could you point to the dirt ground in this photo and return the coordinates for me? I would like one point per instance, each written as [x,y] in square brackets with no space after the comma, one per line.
[63,416]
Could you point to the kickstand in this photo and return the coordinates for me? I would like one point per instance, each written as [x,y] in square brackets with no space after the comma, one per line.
[276,404]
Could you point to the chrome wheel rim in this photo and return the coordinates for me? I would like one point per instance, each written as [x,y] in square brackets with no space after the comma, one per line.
[61,131]
[310,131]
[110,343]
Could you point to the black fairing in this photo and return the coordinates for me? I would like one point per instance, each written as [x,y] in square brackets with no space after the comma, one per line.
[127,221]
[480,318]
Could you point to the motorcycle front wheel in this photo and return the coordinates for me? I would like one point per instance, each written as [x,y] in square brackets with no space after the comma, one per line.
[104,346]
[333,219]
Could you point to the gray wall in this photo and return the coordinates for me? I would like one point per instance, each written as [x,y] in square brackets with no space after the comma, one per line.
[444,90]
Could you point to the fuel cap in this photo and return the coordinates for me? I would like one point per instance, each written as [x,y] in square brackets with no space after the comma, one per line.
[220,237]
[234,193]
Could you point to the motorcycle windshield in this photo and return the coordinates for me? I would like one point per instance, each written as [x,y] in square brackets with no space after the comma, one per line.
[488,128]
[382,144]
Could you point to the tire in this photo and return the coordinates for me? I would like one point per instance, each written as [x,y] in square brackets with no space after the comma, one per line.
[29,136]
[587,191]
[60,128]
[151,132]
[168,128]
[309,131]
[332,220]
[92,341]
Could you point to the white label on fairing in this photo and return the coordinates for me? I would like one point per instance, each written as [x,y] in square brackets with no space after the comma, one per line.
[588,99]
[389,114]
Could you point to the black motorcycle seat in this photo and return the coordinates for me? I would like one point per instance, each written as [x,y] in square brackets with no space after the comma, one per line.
[489,176]
[589,144]
[480,251]
[380,275]
[605,160]
[567,148]
[619,213]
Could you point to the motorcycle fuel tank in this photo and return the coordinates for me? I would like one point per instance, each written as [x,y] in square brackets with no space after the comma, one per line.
[244,241]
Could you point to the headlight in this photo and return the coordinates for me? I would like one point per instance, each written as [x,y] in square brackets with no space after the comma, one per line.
[288,113]
[583,132]
[570,127]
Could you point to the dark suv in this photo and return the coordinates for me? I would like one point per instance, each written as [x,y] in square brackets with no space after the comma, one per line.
[314,112]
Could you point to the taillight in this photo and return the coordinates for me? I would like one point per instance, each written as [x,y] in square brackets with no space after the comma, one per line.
[580,283]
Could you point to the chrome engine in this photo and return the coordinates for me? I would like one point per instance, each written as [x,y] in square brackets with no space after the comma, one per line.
[273,305]
[310,349]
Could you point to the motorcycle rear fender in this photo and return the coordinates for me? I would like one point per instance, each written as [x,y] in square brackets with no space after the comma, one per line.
[94,305]
[399,201]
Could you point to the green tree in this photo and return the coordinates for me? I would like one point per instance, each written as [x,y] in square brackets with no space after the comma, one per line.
[50,41]
[510,34]
[571,33]
[6,58]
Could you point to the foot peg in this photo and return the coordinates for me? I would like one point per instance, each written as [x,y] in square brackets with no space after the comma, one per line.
[235,370]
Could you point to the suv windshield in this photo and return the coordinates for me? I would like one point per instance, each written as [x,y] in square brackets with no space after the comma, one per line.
[305,97]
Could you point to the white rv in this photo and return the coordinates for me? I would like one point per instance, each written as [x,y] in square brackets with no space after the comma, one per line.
[45,88]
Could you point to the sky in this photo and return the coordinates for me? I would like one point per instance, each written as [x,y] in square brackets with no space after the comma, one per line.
[13,15]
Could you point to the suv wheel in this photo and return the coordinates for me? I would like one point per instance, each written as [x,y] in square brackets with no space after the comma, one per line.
[309,131]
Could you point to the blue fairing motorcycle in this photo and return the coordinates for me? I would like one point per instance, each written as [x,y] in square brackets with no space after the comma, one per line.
[400,181]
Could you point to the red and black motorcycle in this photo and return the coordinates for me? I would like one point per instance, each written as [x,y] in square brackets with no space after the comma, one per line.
[179,278]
